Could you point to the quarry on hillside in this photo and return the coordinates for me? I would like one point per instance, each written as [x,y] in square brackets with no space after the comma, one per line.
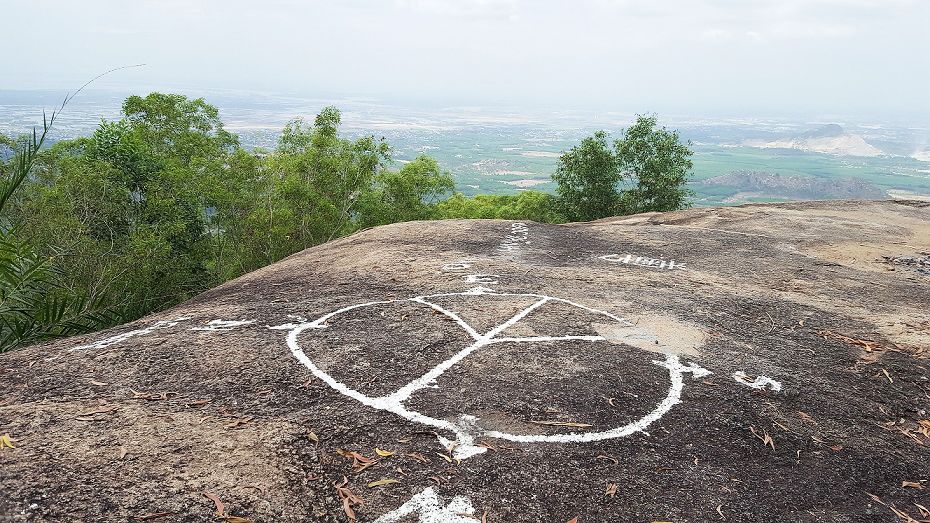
[755,364]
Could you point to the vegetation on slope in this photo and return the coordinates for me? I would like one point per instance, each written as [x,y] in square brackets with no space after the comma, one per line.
[164,203]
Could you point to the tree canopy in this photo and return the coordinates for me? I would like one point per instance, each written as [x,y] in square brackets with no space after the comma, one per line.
[646,169]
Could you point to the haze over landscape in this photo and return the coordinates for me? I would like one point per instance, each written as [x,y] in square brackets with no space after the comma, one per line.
[496,89]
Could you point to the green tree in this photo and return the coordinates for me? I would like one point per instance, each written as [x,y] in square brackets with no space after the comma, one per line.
[646,169]
[410,193]
[588,176]
[127,206]
[657,166]
[36,303]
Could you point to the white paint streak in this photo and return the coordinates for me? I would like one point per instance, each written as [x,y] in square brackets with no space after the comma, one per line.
[675,375]
[761,382]
[430,509]
[488,279]
[113,340]
[223,325]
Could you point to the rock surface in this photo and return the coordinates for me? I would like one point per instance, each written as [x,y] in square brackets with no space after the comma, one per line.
[755,363]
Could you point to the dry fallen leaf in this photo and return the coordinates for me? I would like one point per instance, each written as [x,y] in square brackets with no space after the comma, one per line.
[313,437]
[888,375]
[382,482]
[383,453]
[806,417]
[220,507]
[6,441]
[419,457]
[924,511]
[103,409]
[573,520]
[608,458]
[765,437]
[911,484]
[611,490]
[123,451]
[720,511]
[347,508]
[348,498]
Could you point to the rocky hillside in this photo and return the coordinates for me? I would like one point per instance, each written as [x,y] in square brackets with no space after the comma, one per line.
[755,363]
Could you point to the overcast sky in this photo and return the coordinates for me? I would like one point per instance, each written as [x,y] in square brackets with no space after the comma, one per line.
[751,57]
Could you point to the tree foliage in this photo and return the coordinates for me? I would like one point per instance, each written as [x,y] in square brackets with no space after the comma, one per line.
[646,169]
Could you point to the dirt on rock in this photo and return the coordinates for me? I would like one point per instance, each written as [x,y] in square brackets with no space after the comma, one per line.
[758,363]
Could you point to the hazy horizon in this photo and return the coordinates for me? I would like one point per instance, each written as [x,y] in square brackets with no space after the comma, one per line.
[792,58]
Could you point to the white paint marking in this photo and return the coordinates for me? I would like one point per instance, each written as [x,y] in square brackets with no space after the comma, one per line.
[761,382]
[466,428]
[457,266]
[643,261]
[430,509]
[223,325]
[112,340]
[488,279]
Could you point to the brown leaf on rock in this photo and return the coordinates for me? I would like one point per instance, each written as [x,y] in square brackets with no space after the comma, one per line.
[924,511]
[806,417]
[348,498]
[220,507]
[347,508]
[419,457]
[611,490]
[239,423]
[911,484]
[382,482]
[764,437]
[103,409]
[608,458]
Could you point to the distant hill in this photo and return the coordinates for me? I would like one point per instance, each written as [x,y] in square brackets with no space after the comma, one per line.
[828,139]
[795,186]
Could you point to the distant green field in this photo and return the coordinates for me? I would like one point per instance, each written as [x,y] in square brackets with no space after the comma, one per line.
[483,163]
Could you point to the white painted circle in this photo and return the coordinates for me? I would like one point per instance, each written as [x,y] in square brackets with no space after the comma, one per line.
[466,429]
